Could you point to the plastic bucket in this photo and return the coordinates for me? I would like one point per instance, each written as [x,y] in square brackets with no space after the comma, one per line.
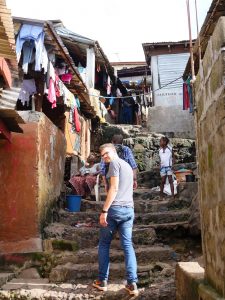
[73,202]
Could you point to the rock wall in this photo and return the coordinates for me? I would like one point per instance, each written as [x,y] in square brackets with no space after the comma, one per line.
[32,169]
[145,145]
[210,102]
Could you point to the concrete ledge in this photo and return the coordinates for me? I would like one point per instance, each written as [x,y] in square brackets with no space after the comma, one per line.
[25,246]
[189,275]
[206,292]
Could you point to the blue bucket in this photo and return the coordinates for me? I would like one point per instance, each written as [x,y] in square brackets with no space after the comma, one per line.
[73,202]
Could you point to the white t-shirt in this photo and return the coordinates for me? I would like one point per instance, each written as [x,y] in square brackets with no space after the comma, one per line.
[165,157]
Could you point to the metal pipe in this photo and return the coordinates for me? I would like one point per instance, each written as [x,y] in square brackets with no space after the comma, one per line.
[198,36]
[191,45]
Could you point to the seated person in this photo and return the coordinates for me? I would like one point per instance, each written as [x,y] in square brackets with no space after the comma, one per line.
[85,180]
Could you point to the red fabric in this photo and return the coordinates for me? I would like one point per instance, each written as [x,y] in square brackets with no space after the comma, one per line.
[5,71]
[77,120]
[186,100]
[83,185]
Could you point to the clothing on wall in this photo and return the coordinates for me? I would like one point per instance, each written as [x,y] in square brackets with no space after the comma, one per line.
[35,35]
[28,89]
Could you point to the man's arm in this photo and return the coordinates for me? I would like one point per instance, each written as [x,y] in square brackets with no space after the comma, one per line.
[114,184]
[103,172]
[132,163]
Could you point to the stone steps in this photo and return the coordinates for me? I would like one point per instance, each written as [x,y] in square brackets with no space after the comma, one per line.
[68,218]
[4,277]
[73,273]
[36,289]
[144,254]
[87,237]
[142,206]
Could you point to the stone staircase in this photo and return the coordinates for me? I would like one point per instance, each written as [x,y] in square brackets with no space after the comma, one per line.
[160,236]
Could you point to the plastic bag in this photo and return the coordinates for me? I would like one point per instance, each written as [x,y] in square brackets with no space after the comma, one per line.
[167,189]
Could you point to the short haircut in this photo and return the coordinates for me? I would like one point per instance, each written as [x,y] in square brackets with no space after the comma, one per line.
[165,139]
[109,145]
[117,139]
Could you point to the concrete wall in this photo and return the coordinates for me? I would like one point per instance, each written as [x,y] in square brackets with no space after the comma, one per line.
[31,174]
[171,119]
[210,101]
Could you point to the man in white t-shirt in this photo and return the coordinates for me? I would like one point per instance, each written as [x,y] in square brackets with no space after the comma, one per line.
[166,162]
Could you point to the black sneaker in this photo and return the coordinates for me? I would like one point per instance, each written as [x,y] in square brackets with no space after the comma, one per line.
[100,285]
[132,289]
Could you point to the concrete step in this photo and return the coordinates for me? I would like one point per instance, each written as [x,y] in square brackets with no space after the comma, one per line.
[83,290]
[74,272]
[162,217]
[87,237]
[144,254]
[4,277]
[79,218]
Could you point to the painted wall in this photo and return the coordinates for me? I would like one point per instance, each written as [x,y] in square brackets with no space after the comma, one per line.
[210,95]
[174,119]
[31,174]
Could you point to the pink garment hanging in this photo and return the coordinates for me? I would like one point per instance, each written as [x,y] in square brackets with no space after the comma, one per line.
[52,93]
[66,77]
[77,120]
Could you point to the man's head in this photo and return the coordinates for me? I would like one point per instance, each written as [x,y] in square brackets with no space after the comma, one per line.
[117,139]
[164,141]
[108,152]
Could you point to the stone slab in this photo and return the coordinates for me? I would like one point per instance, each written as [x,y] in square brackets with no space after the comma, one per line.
[4,277]
[188,277]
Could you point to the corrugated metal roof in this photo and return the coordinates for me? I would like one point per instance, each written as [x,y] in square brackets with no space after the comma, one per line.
[7,40]
[8,98]
[171,66]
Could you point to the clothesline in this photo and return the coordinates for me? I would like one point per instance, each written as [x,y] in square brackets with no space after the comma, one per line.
[142,94]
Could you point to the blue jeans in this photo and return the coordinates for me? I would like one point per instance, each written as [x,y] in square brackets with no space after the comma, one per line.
[119,219]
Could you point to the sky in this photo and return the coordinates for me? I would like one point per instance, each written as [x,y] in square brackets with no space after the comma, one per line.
[120,26]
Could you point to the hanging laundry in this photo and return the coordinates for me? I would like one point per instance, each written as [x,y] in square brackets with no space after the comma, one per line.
[60,70]
[76,146]
[77,120]
[57,89]
[31,33]
[28,89]
[52,93]
[111,100]
[186,100]
[28,48]
[44,60]
[66,78]
[108,86]
[118,93]
[98,68]
[77,102]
